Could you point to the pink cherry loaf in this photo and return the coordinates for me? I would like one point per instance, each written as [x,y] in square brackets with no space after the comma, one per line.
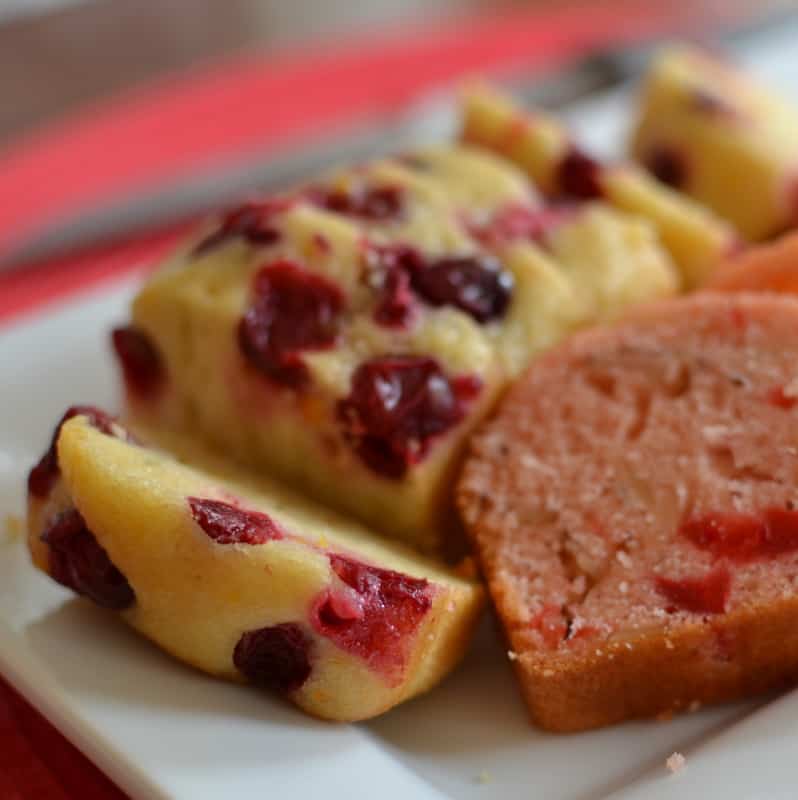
[635,511]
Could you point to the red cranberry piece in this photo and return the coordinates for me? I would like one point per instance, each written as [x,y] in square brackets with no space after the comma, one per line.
[397,406]
[743,537]
[478,285]
[551,625]
[390,609]
[668,166]
[276,658]
[226,524]
[293,310]
[706,594]
[518,222]
[43,476]
[397,304]
[579,175]
[251,221]
[374,203]
[78,561]
[777,397]
[142,366]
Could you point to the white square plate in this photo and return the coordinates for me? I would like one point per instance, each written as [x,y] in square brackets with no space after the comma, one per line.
[161,730]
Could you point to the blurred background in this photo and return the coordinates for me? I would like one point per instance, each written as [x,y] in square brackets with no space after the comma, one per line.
[59,55]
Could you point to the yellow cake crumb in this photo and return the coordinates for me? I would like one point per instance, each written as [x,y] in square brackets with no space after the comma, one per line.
[676,762]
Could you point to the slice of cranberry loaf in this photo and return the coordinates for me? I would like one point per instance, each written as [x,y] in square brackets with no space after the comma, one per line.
[243,579]
[634,506]
[347,336]
[544,148]
[707,129]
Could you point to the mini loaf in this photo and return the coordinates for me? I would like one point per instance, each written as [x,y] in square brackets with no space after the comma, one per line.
[348,336]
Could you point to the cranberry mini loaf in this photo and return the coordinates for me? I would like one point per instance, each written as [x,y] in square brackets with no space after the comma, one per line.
[634,506]
[348,336]
[708,130]
[242,579]
[541,145]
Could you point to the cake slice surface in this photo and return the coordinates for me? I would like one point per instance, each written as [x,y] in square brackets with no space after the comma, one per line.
[634,506]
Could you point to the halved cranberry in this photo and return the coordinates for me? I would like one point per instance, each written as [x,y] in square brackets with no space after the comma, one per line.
[293,311]
[516,222]
[397,406]
[142,366]
[743,537]
[226,524]
[377,629]
[251,221]
[43,476]
[478,285]
[667,165]
[276,658]
[706,594]
[79,562]
[579,175]
[375,203]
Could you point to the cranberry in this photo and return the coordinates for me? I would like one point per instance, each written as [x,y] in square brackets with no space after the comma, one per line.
[293,310]
[777,397]
[142,367]
[551,625]
[44,475]
[388,608]
[79,562]
[397,304]
[251,221]
[276,658]
[667,166]
[516,222]
[397,406]
[374,203]
[743,537]
[706,594]
[226,524]
[578,175]
[478,285]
